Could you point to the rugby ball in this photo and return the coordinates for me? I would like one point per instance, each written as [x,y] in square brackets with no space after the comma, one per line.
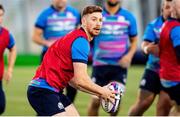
[107,105]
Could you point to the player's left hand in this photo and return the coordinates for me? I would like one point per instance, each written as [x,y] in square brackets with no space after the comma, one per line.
[125,61]
[7,76]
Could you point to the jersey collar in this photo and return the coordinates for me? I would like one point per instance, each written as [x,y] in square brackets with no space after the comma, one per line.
[56,9]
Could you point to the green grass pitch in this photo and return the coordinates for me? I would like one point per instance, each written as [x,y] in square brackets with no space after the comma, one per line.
[18,105]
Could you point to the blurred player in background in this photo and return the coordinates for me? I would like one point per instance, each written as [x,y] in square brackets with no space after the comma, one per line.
[150,84]
[53,23]
[66,62]
[169,54]
[112,54]
[6,41]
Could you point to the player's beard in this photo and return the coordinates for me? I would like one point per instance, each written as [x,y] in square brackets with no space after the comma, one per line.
[60,6]
[93,34]
[112,4]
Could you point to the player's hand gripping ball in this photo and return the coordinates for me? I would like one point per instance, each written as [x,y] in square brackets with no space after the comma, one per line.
[107,105]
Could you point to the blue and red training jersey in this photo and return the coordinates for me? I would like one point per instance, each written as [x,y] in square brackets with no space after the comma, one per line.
[6,41]
[56,69]
[169,39]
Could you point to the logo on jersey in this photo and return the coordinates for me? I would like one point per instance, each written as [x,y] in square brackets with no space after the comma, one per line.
[62,23]
[115,25]
[157,31]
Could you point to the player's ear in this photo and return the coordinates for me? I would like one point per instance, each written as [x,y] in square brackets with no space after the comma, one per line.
[83,20]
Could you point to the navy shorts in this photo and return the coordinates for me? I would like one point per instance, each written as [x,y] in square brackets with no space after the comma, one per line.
[102,75]
[174,93]
[46,102]
[151,81]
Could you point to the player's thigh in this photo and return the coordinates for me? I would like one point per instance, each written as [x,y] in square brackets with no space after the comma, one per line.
[145,96]
[164,97]
[164,104]
[60,114]
[173,92]
[69,111]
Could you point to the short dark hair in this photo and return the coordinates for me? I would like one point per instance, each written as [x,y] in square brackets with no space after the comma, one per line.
[91,9]
[2,8]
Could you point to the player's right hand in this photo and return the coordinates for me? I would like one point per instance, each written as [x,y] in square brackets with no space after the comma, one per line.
[108,94]
[125,61]
[7,76]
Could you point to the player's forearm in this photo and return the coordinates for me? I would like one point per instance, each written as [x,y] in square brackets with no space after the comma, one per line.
[88,86]
[11,59]
[86,91]
[39,40]
[82,80]
[37,37]
[92,88]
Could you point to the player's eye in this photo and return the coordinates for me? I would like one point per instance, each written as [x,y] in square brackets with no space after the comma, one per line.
[101,20]
[94,19]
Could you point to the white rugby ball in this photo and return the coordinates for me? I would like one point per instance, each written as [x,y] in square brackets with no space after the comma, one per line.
[107,105]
